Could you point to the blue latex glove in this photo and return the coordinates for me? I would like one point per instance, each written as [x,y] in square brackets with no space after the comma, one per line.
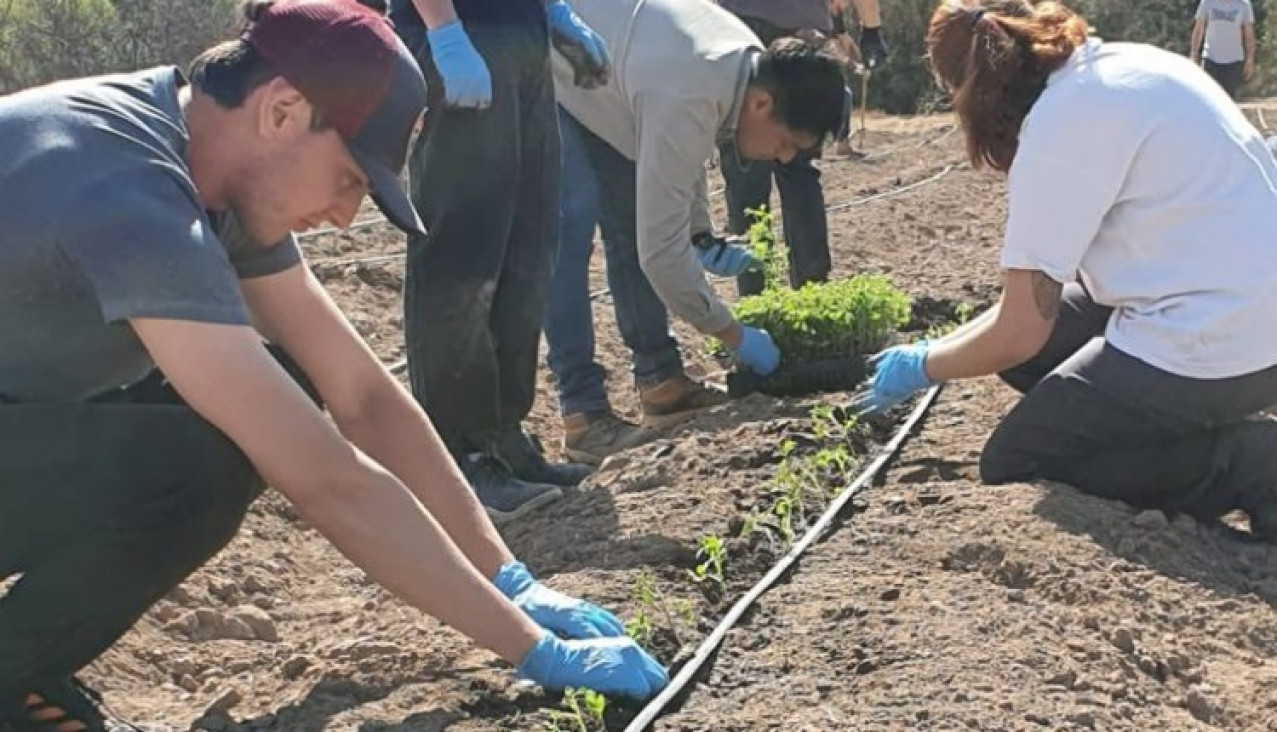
[467,83]
[584,49]
[758,351]
[873,49]
[553,610]
[719,256]
[609,666]
[899,372]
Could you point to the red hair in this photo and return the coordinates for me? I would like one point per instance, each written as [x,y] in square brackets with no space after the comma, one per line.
[995,61]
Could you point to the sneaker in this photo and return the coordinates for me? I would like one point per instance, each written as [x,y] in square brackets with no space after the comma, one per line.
[65,704]
[526,458]
[677,400]
[505,497]
[590,437]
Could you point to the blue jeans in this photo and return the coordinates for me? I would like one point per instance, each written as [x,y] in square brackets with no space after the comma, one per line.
[598,187]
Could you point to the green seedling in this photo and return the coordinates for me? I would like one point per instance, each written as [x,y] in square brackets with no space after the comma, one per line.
[584,713]
[650,600]
[767,251]
[713,556]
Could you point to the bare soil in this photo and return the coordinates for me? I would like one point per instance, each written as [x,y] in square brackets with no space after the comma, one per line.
[938,603]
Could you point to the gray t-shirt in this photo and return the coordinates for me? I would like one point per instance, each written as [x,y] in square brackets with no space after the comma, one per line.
[793,15]
[101,223]
[1224,20]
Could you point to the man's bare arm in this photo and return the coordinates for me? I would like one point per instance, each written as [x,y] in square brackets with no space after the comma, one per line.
[371,408]
[435,13]
[868,13]
[1195,40]
[229,378]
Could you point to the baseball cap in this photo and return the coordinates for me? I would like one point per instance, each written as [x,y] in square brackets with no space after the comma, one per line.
[351,66]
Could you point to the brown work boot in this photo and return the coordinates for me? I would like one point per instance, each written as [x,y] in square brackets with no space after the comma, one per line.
[677,400]
[590,437]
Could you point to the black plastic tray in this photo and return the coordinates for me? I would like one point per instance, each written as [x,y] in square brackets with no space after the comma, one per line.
[813,377]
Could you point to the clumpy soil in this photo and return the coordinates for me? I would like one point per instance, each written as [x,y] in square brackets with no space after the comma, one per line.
[938,603]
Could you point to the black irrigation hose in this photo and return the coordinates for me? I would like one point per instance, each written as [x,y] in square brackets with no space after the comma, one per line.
[711,643]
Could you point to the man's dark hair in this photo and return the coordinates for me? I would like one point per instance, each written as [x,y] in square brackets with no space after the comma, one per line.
[805,80]
[232,70]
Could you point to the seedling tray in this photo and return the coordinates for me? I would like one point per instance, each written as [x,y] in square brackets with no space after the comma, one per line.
[801,379]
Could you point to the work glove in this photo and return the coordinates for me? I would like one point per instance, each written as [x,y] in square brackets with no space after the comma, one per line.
[609,666]
[758,351]
[873,49]
[467,84]
[721,257]
[584,49]
[553,610]
[899,371]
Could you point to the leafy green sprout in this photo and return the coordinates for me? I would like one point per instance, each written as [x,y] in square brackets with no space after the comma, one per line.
[713,556]
[768,252]
[584,712]
[650,600]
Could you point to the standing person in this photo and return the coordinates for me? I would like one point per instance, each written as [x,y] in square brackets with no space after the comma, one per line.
[687,76]
[802,198]
[1227,30]
[484,174]
[140,411]
[1139,280]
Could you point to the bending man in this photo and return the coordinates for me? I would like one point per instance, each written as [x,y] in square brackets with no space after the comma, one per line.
[141,413]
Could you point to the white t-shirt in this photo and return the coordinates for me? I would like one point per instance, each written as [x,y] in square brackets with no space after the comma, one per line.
[1224,20]
[1138,173]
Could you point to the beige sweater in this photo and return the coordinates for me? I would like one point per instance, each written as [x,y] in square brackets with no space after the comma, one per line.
[680,68]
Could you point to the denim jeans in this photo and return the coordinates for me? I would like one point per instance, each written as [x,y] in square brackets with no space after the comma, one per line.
[486,184]
[597,186]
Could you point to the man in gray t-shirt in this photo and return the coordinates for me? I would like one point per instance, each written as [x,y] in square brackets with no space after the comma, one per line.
[145,255]
[1227,29]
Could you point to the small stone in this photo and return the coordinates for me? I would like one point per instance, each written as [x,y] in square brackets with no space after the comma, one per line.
[1066,679]
[1152,520]
[188,683]
[181,596]
[296,666]
[262,625]
[890,595]
[1083,719]
[225,701]
[253,585]
[614,463]
[1198,706]
[866,666]
[1123,639]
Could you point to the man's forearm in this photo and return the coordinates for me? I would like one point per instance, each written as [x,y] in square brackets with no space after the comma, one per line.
[378,525]
[1195,41]
[435,13]
[394,431]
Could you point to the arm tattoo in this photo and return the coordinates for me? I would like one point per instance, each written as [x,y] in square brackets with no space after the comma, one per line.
[1046,295]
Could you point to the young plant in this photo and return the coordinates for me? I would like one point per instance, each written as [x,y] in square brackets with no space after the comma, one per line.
[584,713]
[650,600]
[713,556]
[767,251]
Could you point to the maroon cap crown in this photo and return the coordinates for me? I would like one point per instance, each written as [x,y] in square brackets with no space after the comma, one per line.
[349,64]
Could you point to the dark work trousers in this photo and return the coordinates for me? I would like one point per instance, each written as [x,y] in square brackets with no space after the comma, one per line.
[487,186]
[1229,76]
[1111,425]
[105,506]
[802,199]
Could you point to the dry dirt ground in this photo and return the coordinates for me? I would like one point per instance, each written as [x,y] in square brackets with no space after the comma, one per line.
[937,604]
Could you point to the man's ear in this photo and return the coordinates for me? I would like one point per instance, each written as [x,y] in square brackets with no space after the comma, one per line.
[759,100]
[280,108]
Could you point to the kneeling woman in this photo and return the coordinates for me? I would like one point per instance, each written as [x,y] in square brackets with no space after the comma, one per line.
[1140,276]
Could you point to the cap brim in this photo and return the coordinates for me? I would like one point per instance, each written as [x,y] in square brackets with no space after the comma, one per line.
[389,194]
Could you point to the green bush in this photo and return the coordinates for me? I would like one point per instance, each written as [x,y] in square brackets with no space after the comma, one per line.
[828,319]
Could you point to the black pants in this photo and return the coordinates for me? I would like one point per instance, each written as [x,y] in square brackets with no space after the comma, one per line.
[106,506]
[487,186]
[802,198]
[1229,76]
[1111,425]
